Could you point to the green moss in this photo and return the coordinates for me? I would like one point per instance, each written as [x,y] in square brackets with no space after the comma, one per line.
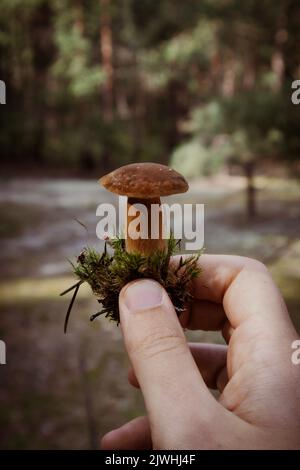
[108,273]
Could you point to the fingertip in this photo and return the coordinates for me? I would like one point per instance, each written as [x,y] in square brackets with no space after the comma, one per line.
[108,441]
[141,294]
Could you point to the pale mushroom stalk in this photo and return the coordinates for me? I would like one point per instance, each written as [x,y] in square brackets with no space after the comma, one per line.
[148,245]
[144,183]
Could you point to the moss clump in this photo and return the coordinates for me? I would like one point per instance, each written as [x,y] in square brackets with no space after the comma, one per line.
[108,273]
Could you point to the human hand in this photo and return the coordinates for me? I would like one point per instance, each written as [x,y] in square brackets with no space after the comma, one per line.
[258,406]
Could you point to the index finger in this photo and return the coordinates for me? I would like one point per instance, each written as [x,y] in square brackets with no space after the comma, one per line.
[236,288]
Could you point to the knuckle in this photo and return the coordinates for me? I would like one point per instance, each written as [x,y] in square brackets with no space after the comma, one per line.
[157,342]
[254,264]
[259,266]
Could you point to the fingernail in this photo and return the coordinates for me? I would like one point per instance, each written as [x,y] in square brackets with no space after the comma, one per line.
[143,295]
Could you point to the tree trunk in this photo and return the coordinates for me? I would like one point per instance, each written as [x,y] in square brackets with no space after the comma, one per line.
[278,59]
[250,191]
[106,47]
[229,78]
[42,56]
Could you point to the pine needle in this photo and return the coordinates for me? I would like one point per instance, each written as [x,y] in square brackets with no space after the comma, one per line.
[70,306]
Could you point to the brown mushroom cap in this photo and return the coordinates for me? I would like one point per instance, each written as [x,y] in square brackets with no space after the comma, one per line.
[144,180]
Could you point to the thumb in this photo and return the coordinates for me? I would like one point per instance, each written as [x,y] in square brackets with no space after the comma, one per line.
[172,386]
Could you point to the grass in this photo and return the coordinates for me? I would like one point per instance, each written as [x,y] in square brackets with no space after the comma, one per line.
[29,290]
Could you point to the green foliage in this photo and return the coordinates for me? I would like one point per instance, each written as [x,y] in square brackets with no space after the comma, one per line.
[181,74]
[245,127]
[193,159]
[189,159]
[172,59]
[157,22]
[74,52]
[108,273]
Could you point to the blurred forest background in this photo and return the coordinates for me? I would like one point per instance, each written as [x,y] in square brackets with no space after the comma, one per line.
[201,85]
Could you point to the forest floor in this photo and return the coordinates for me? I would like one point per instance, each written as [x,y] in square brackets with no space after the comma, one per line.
[64,391]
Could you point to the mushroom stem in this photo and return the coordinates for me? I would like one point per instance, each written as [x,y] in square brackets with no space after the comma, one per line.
[153,226]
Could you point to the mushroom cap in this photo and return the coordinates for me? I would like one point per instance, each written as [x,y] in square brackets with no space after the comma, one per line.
[144,180]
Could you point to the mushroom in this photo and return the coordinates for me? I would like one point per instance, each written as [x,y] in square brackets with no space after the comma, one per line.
[144,183]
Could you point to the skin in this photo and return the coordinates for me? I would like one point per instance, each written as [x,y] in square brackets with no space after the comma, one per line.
[258,406]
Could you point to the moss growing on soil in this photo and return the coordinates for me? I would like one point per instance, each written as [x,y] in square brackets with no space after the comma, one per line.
[108,273]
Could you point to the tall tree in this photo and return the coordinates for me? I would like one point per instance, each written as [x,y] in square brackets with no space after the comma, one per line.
[106,45]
